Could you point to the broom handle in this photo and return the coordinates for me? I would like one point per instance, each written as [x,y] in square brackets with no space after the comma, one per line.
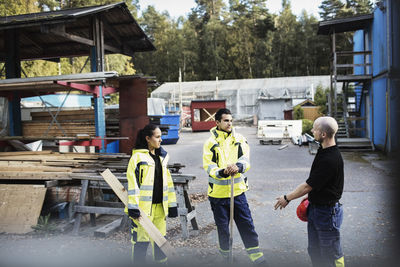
[231,222]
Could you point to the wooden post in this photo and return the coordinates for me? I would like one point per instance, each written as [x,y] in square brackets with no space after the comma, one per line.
[182,211]
[97,65]
[91,203]
[82,197]
[190,208]
[13,70]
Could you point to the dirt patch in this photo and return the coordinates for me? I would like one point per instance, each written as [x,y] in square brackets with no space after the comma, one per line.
[198,197]
[197,241]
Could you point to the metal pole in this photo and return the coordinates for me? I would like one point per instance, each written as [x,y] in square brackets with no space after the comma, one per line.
[231,222]
[334,74]
[180,98]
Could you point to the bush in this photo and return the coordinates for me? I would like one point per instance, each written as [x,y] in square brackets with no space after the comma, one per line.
[307,126]
[298,113]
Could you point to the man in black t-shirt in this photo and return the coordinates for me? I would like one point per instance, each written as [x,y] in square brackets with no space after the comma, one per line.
[324,187]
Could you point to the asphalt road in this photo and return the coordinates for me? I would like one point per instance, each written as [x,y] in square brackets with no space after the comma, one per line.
[368,230]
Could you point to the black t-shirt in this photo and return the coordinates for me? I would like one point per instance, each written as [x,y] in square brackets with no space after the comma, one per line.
[326,177]
[158,181]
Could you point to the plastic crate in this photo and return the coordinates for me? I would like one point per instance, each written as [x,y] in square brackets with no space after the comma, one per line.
[171,138]
[171,120]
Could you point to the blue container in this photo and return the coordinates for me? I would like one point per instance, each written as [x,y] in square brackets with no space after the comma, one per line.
[113,147]
[171,138]
[171,120]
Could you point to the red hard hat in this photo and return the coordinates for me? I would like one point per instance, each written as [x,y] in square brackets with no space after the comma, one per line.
[302,210]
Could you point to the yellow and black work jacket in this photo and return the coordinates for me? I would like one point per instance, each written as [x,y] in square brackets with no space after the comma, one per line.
[220,150]
[140,175]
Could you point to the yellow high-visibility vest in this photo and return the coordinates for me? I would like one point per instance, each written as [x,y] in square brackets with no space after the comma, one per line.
[140,175]
[220,150]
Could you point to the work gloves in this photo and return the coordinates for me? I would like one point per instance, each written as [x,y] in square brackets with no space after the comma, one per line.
[134,213]
[172,212]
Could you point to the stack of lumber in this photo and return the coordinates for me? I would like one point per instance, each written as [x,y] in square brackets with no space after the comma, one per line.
[112,122]
[48,165]
[73,122]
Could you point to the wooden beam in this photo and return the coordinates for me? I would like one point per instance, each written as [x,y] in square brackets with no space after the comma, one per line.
[59,30]
[107,229]
[100,210]
[112,49]
[153,232]
[74,38]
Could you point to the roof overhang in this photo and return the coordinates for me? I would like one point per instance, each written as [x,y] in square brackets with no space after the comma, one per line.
[69,32]
[344,24]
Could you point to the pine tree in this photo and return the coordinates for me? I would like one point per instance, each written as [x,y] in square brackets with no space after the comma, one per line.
[330,9]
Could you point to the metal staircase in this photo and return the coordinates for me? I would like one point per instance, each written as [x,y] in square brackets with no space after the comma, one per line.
[352,69]
[352,126]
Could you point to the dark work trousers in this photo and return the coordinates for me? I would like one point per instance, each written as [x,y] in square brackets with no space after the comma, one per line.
[242,217]
[324,234]
[140,249]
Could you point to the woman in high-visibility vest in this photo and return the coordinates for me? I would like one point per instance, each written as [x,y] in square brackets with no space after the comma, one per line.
[151,188]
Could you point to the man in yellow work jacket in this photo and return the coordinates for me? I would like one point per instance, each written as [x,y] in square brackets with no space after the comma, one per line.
[226,154]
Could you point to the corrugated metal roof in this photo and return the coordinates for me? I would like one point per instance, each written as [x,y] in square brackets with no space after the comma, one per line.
[121,31]
[344,24]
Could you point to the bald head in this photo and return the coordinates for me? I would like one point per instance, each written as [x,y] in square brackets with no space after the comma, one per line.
[326,125]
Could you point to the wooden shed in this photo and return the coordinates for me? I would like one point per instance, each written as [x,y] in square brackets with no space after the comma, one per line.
[310,109]
[203,113]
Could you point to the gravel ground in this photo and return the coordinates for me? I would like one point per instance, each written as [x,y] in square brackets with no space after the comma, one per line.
[368,231]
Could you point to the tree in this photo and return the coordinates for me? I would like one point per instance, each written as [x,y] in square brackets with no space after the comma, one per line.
[207,19]
[298,113]
[313,50]
[286,56]
[17,7]
[331,9]
[166,35]
[320,99]
[251,25]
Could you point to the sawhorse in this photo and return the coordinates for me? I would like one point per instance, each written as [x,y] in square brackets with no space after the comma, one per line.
[186,211]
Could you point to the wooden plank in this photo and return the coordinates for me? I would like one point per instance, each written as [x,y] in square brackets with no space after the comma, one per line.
[52,183]
[99,210]
[24,153]
[20,207]
[34,174]
[191,215]
[153,232]
[29,168]
[107,229]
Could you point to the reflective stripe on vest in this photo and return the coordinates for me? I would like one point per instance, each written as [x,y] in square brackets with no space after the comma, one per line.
[224,182]
[172,204]
[210,167]
[133,206]
[147,187]
[133,192]
[146,198]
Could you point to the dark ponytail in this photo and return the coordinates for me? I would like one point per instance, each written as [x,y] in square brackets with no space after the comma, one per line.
[148,130]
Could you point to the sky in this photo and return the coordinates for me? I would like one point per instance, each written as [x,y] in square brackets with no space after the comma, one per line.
[178,8]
